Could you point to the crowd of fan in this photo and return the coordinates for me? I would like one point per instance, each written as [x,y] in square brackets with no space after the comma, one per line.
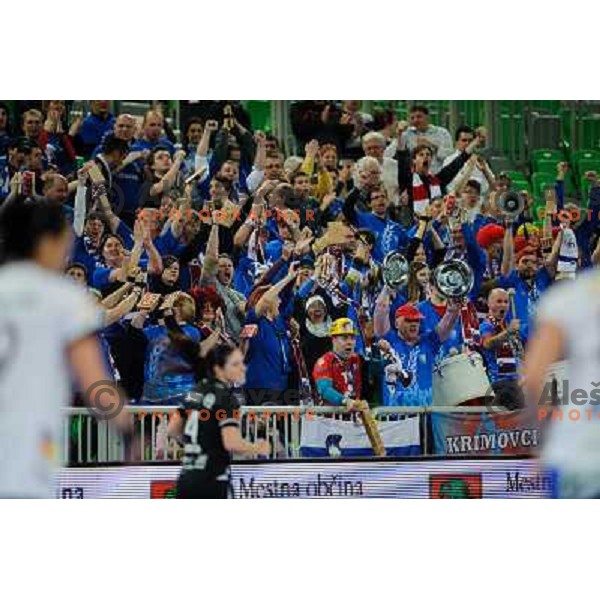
[219,237]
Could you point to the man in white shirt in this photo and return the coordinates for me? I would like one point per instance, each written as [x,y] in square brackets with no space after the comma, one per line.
[422,132]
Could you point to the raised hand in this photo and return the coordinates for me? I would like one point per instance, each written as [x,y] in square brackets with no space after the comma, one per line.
[312,148]
[212,125]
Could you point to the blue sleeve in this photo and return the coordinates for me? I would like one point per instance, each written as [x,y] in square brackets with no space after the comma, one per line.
[485,328]
[328,392]
[274,250]
[508,282]
[364,219]
[287,301]
[101,277]
[126,235]
[243,276]
[475,254]
[306,288]
[166,243]
[153,331]
[544,279]
[193,332]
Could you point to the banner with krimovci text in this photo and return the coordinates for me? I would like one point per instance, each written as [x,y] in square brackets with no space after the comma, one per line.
[485,434]
[463,478]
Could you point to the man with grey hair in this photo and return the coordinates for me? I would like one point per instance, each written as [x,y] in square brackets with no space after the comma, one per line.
[373,144]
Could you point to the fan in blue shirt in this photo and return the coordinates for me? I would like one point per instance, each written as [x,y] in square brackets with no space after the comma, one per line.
[99,122]
[408,379]
[269,355]
[529,277]
[389,235]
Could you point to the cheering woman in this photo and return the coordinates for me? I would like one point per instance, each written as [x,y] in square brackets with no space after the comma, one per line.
[209,423]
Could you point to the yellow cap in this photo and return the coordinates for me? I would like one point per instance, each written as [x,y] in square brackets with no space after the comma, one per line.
[531,229]
[342,327]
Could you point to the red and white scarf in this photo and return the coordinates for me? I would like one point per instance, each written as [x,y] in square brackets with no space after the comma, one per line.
[423,192]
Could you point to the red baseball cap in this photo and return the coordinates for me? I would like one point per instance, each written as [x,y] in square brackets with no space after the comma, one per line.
[410,311]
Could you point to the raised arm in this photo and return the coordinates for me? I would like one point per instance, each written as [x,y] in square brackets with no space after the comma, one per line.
[100,198]
[460,181]
[381,316]
[113,299]
[445,326]
[168,179]
[155,264]
[508,251]
[272,294]
[211,257]
[125,306]
[450,171]
[79,209]
[349,208]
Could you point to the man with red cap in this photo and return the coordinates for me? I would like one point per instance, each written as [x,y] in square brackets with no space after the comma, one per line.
[416,351]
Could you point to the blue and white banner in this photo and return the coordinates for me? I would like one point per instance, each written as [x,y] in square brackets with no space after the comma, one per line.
[322,436]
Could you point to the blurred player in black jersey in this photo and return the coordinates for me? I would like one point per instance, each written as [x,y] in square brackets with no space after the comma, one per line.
[210,426]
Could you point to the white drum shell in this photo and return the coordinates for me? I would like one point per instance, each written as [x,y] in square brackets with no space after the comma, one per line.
[460,378]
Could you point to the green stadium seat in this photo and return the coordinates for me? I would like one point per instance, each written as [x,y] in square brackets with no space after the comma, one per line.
[588,164]
[591,154]
[546,154]
[544,160]
[260,114]
[543,165]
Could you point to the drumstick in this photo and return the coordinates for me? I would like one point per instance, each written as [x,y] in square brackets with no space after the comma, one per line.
[370,425]
[511,298]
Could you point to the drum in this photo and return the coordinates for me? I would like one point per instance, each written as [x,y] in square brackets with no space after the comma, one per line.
[461,379]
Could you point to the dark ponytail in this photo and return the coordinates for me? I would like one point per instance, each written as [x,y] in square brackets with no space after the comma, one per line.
[24,223]
[217,357]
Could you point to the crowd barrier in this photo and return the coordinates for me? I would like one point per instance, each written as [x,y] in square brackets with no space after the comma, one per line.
[88,441]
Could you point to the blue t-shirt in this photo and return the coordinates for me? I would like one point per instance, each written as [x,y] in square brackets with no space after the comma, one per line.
[389,235]
[101,275]
[269,356]
[525,297]
[93,128]
[418,360]
[167,373]
[126,188]
[430,322]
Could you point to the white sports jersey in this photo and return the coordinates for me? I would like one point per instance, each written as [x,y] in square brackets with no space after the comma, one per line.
[572,444]
[41,313]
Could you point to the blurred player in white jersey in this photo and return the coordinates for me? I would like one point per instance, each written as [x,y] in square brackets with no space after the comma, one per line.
[569,328]
[47,327]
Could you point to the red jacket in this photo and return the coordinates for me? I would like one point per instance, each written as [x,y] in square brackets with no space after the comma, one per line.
[345,374]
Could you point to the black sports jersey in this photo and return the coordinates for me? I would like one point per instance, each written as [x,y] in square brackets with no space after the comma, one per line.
[206,410]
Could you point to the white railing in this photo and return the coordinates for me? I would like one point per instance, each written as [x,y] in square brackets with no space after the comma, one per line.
[89,441]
